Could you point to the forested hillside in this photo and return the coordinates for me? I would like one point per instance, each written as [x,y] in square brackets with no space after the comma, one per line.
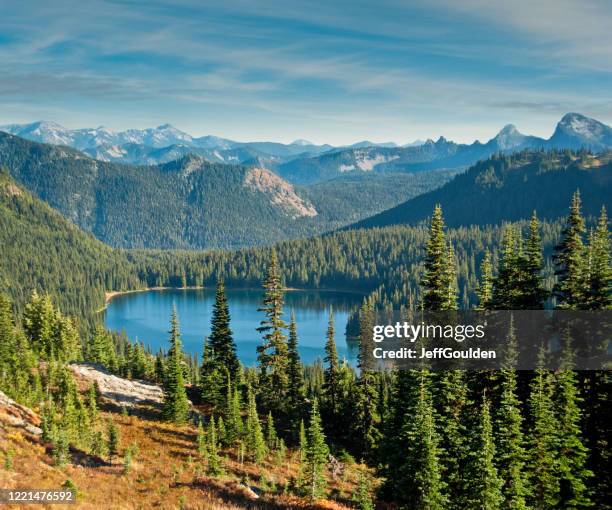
[191,203]
[509,188]
[38,244]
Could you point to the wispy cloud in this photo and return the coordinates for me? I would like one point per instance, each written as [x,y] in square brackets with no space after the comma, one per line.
[330,71]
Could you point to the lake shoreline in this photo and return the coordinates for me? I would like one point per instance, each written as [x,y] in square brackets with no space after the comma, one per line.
[110,295]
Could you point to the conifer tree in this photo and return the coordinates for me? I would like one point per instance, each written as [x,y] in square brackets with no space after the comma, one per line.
[485,286]
[295,372]
[533,293]
[484,484]
[256,446]
[272,354]
[214,461]
[506,287]
[176,405]
[569,258]
[600,274]
[211,375]
[316,456]
[271,437]
[201,439]
[450,400]
[511,453]
[436,280]
[543,442]
[112,442]
[572,458]
[366,420]
[331,388]
[221,340]
[233,413]
[420,483]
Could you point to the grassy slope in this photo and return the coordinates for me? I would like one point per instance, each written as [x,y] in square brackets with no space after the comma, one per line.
[165,474]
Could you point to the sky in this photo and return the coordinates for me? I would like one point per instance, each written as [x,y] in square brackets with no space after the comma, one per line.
[327,71]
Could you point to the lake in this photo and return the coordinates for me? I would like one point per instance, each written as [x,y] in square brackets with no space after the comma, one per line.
[145,316]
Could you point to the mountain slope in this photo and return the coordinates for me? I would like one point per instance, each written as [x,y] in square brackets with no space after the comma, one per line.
[38,244]
[575,131]
[183,204]
[508,188]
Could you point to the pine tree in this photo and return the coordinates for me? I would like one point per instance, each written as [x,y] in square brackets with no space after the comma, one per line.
[484,483]
[256,446]
[511,454]
[176,405]
[271,437]
[61,447]
[533,293]
[316,456]
[211,374]
[600,273]
[572,458]
[543,461]
[272,357]
[506,285]
[221,341]
[437,278]
[201,439]
[363,496]
[331,388]
[569,258]
[112,442]
[214,461]
[233,413]
[295,372]
[485,286]
[366,420]
[420,483]
[450,400]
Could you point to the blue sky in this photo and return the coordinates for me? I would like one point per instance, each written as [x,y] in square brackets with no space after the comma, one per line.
[327,71]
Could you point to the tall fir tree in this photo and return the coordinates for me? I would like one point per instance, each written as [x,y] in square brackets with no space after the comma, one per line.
[255,443]
[485,285]
[273,353]
[543,442]
[569,258]
[600,274]
[331,381]
[176,405]
[317,451]
[573,473]
[511,455]
[437,279]
[533,293]
[419,483]
[296,395]
[484,486]
[450,400]
[221,340]
[367,419]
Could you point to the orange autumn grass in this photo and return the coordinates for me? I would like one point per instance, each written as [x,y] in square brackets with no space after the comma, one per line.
[166,473]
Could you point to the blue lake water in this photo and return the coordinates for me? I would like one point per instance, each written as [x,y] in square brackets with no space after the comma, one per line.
[145,316]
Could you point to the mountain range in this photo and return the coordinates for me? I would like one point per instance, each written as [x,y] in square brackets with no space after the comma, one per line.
[303,162]
[189,201]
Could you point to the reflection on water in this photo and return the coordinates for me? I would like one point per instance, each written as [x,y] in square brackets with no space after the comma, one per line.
[145,316]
